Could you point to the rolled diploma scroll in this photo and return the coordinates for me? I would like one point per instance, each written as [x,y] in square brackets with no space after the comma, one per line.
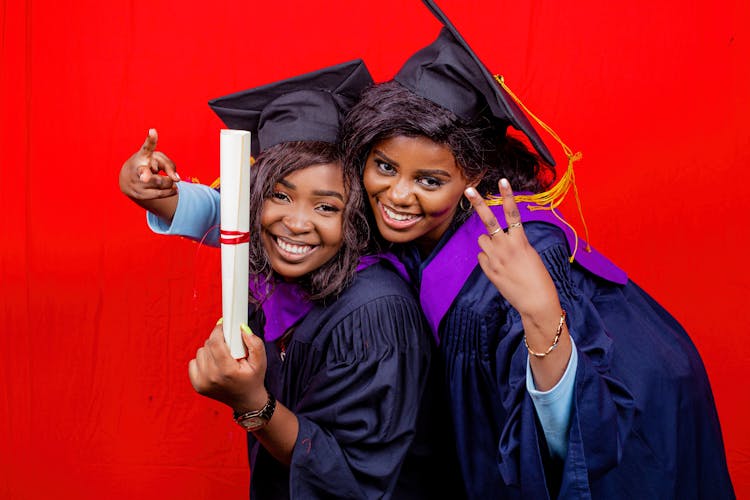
[235,225]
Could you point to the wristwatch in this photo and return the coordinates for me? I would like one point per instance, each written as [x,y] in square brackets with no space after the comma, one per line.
[257,419]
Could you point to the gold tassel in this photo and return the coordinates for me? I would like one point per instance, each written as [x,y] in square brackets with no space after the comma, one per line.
[553,197]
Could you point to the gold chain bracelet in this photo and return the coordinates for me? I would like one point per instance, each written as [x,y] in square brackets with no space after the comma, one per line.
[554,343]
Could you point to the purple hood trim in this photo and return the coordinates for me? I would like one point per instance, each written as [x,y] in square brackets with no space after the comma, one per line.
[288,303]
[445,275]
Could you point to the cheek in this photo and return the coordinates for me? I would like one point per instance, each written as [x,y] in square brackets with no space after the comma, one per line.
[370,181]
[267,243]
[439,204]
[335,235]
[266,214]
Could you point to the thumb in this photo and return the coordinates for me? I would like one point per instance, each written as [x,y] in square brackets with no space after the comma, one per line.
[248,337]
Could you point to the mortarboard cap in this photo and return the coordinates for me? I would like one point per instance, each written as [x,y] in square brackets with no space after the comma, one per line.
[308,107]
[449,73]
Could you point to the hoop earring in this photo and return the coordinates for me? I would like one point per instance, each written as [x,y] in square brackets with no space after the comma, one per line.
[461,204]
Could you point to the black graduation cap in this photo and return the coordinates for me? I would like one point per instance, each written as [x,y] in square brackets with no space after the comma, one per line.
[449,73]
[308,107]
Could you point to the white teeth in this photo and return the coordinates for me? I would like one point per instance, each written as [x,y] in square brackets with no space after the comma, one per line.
[397,216]
[295,249]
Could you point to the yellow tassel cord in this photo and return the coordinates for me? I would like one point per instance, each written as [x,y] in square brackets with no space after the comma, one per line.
[215,184]
[552,198]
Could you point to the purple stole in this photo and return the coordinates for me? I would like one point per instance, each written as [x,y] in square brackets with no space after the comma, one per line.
[445,275]
[288,303]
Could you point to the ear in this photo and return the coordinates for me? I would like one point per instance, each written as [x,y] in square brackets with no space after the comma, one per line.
[475,182]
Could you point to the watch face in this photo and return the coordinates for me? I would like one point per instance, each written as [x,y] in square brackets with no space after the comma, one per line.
[252,423]
[254,420]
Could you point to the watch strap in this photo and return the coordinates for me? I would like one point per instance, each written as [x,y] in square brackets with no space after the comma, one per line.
[260,417]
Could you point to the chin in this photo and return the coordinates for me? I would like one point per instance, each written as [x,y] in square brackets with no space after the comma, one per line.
[394,236]
[289,273]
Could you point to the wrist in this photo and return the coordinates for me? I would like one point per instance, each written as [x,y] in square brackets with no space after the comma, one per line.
[254,420]
[542,318]
[253,403]
[555,342]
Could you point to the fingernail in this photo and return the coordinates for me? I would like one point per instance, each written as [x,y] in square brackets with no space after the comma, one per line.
[471,192]
[176,176]
[504,183]
[142,177]
[221,321]
[246,329]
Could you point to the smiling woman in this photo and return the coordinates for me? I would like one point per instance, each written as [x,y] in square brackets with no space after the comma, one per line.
[414,187]
[331,394]
[302,221]
[564,377]
[304,210]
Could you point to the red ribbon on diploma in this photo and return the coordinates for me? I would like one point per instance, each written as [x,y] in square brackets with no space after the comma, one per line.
[233,237]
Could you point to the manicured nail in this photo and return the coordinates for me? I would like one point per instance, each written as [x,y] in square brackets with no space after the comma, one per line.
[221,321]
[471,192]
[246,329]
[504,183]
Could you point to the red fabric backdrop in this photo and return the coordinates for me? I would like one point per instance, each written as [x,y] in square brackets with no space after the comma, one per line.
[101,317]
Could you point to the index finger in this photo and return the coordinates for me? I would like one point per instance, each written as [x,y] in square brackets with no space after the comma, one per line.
[150,145]
[510,209]
[483,211]
[219,348]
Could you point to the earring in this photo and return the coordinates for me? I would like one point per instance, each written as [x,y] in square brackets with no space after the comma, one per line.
[461,204]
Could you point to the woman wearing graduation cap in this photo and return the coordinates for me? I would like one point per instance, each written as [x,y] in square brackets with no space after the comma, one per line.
[331,397]
[565,379]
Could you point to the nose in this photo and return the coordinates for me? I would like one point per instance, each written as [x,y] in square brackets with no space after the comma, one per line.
[401,192]
[297,221]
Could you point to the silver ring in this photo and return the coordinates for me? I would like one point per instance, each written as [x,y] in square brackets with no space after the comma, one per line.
[495,231]
[515,224]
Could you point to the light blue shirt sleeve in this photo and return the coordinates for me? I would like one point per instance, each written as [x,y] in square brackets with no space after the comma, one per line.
[197,215]
[553,406]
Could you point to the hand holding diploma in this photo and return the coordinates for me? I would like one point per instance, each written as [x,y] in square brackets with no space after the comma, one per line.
[238,383]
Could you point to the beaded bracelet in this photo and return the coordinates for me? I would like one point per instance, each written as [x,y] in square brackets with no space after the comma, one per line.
[554,343]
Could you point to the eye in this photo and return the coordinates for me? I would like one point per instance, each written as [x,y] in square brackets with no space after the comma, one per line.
[328,209]
[385,167]
[280,196]
[430,182]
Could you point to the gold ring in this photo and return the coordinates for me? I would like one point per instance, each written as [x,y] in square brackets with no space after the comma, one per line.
[495,231]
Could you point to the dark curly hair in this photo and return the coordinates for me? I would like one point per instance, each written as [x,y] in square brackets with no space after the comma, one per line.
[274,164]
[482,148]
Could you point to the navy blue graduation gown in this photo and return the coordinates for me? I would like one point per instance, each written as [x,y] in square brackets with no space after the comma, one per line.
[354,372]
[643,422]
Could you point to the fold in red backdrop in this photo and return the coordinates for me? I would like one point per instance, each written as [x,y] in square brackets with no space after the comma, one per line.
[100,317]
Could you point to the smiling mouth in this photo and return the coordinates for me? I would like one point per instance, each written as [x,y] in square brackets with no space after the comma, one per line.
[398,220]
[292,250]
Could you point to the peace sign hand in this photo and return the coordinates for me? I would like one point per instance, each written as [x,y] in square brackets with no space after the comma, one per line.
[517,270]
[509,260]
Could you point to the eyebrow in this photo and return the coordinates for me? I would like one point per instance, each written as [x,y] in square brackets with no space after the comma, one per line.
[385,157]
[421,171]
[317,192]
